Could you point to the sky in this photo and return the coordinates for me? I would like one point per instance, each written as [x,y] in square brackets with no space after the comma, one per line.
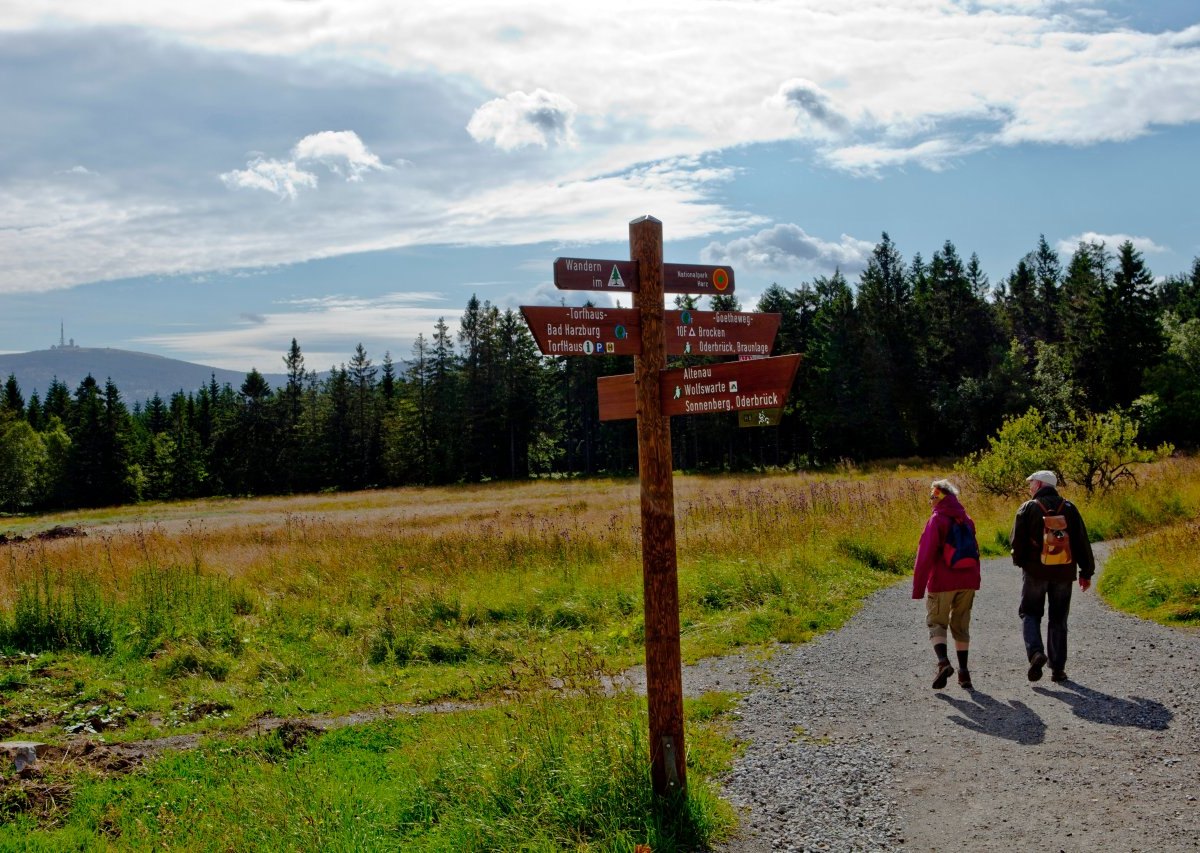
[207,181]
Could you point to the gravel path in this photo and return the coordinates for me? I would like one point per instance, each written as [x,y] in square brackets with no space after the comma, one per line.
[849,748]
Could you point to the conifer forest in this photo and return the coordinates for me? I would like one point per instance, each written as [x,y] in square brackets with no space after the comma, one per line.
[917,357]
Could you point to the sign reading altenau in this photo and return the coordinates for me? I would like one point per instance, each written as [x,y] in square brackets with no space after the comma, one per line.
[760,384]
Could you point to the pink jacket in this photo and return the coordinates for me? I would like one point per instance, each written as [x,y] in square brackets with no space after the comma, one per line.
[930,571]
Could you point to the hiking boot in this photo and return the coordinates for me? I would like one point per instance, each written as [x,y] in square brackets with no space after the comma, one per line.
[1058,675]
[1035,665]
[964,680]
[943,671]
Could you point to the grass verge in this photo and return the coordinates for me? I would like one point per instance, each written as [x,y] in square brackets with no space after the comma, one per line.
[1157,577]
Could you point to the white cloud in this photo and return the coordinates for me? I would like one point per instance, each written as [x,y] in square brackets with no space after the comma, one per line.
[341,151]
[284,179]
[1146,245]
[813,107]
[932,154]
[596,124]
[519,119]
[787,248]
[322,326]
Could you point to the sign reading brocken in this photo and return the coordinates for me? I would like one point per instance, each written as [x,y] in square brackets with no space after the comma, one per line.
[760,384]
[720,332]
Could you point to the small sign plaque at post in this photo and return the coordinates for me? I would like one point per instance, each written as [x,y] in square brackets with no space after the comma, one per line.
[759,417]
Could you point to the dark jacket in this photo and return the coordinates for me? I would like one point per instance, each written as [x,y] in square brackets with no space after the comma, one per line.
[930,571]
[1026,539]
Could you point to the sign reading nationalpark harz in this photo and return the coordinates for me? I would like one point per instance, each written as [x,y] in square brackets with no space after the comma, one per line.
[760,384]
[617,331]
[622,276]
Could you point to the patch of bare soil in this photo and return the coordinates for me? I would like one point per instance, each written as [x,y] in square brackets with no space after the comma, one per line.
[59,531]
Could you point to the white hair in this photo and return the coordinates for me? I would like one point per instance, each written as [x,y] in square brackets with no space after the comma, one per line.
[945,486]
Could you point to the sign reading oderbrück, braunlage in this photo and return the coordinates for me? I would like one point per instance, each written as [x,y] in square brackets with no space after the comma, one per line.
[617,331]
[652,395]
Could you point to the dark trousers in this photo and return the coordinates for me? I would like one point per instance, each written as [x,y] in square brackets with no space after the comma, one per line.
[1034,595]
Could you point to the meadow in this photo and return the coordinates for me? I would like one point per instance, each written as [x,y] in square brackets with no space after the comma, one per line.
[517,601]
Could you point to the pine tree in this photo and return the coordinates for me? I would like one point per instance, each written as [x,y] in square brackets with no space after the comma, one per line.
[1085,293]
[363,430]
[12,401]
[887,351]
[1134,336]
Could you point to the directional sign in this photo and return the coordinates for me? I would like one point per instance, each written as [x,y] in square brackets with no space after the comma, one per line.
[760,384]
[585,331]
[621,277]
[693,278]
[720,333]
[590,274]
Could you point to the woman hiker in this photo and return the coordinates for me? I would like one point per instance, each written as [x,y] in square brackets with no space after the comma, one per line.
[946,574]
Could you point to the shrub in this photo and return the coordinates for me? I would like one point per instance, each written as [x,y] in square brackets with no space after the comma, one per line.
[1022,444]
[1093,451]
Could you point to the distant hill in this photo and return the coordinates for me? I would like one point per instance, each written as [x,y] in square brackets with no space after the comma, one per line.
[138,375]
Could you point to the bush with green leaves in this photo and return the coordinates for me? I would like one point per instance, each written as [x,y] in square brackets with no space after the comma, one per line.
[1103,450]
[1095,451]
[1021,445]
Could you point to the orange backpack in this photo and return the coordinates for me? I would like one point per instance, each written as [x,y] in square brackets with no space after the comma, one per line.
[1056,542]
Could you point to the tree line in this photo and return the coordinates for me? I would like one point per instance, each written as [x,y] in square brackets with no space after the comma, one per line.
[920,357]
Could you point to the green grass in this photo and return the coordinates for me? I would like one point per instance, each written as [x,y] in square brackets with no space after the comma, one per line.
[550,772]
[449,594]
[1157,577]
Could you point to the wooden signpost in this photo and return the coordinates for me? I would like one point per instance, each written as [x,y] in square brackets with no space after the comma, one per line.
[653,394]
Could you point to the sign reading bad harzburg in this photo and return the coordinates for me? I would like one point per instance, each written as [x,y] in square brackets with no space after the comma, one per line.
[562,330]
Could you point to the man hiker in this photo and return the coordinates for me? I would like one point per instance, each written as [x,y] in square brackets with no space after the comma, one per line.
[946,574]
[1050,544]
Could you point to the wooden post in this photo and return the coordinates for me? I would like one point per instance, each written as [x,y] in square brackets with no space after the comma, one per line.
[660,583]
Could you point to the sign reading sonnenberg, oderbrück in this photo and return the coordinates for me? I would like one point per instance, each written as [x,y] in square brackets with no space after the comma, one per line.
[705,389]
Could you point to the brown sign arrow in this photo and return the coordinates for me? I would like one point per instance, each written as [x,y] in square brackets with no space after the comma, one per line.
[590,274]
[720,332]
[621,276]
[695,278]
[760,384]
[585,331]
